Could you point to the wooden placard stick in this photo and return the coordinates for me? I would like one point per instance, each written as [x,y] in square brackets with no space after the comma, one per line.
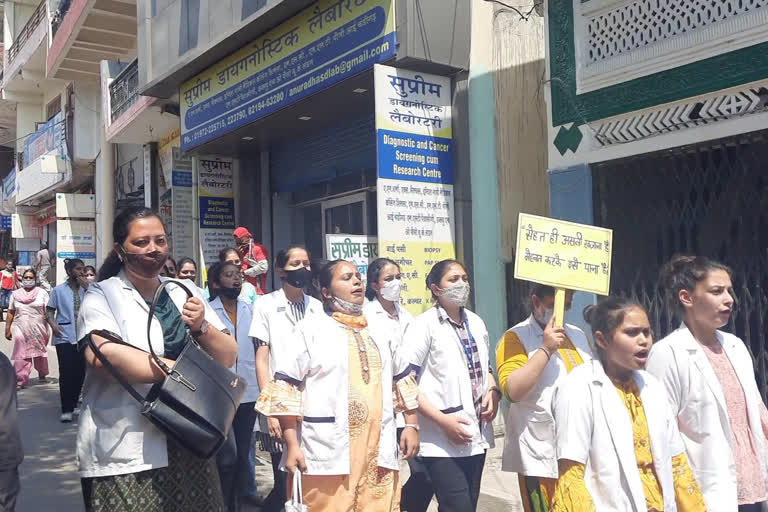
[559,307]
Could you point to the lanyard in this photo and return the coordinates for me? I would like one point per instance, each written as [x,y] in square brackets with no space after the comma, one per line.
[476,374]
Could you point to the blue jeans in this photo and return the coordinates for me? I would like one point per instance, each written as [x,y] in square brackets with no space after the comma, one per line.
[5,296]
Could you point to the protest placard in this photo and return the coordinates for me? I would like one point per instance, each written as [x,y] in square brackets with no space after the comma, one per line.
[564,255]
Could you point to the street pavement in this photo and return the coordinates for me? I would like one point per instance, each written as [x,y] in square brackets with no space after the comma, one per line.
[49,481]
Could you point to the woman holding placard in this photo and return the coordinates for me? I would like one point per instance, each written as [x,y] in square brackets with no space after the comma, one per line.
[531,358]
[458,396]
[710,383]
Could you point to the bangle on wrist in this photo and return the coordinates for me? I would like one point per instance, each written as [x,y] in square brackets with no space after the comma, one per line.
[496,390]
[549,354]
[413,426]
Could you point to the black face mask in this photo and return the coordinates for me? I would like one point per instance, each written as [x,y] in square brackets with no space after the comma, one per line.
[298,278]
[146,264]
[230,293]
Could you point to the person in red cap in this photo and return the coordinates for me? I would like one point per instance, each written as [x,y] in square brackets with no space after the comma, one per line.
[254,258]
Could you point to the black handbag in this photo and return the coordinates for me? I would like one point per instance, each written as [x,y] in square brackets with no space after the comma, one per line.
[196,402]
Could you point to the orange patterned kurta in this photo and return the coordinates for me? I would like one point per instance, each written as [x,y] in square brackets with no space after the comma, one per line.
[368,487]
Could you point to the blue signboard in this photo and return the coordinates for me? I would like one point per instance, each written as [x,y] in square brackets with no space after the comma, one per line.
[322,45]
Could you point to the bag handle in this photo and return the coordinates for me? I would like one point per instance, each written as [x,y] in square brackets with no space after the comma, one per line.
[114,338]
[168,370]
[296,495]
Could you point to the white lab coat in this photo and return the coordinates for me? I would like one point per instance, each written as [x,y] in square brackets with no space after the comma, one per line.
[432,346]
[273,323]
[529,441]
[379,319]
[697,399]
[594,428]
[114,438]
[317,361]
[245,365]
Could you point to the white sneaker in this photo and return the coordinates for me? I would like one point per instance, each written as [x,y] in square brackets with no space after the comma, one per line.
[66,417]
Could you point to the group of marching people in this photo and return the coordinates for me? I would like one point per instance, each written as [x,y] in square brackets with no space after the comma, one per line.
[622,423]
[610,421]
[347,383]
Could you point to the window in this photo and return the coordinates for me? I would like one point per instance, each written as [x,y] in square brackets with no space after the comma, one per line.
[53,108]
[251,6]
[189,25]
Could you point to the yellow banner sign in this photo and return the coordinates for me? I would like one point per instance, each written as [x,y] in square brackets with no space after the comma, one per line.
[563,254]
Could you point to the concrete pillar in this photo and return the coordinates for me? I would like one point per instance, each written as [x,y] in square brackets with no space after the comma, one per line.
[104,180]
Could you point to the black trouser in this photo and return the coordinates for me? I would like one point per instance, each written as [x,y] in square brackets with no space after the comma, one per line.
[278,496]
[456,481]
[71,375]
[242,426]
[9,489]
[417,492]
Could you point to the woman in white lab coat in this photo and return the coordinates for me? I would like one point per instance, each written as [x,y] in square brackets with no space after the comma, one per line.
[274,317]
[235,468]
[531,358]
[458,396]
[383,312]
[710,383]
[336,392]
[617,441]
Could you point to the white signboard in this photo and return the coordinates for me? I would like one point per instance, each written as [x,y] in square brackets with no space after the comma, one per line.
[217,206]
[78,206]
[74,239]
[415,210]
[357,249]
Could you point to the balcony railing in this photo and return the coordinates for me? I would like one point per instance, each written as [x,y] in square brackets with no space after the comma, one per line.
[124,90]
[34,21]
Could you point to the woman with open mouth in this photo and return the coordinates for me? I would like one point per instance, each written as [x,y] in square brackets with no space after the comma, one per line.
[336,389]
[710,382]
[618,447]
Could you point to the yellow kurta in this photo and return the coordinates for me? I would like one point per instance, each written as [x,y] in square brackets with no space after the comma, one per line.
[511,355]
[571,494]
[367,487]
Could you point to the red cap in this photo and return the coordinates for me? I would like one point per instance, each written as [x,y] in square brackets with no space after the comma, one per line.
[242,232]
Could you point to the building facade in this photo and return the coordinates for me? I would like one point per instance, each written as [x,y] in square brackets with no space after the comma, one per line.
[52,52]
[657,114]
[287,128]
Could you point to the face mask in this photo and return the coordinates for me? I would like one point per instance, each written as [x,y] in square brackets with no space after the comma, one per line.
[28,283]
[391,290]
[298,278]
[349,307]
[91,279]
[546,317]
[146,264]
[230,293]
[457,294]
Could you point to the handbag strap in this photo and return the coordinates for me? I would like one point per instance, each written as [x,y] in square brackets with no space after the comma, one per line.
[296,495]
[113,338]
[152,308]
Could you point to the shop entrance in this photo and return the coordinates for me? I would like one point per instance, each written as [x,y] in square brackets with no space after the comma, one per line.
[349,214]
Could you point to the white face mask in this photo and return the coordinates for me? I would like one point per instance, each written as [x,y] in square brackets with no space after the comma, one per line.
[546,317]
[91,279]
[391,290]
[349,307]
[457,293]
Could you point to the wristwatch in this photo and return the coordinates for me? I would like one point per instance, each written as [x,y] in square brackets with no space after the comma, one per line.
[202,331]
